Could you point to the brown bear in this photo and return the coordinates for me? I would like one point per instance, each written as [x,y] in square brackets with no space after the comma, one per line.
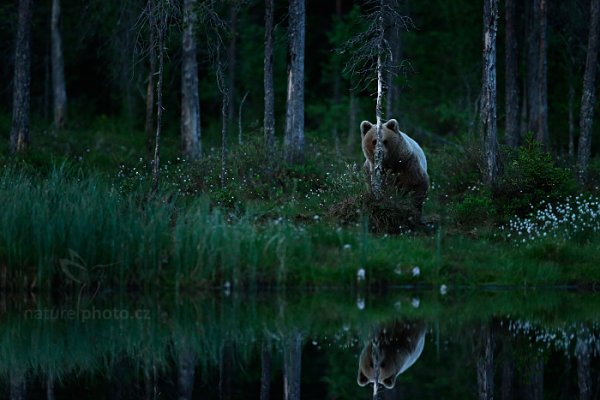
[400,345]
[404,163]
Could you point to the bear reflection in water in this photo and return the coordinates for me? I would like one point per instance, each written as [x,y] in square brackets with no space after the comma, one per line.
[400,344]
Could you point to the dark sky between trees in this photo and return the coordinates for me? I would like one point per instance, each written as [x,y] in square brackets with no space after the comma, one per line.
[439,84]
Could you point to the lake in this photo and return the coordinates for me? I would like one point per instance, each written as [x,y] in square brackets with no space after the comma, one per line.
[310,345]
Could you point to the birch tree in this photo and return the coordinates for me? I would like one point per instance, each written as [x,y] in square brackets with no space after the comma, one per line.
[589,93]
[186,365]
[59,90]
[224,89]
[371,56]
[265,374]
[150,86]
[19,132]
[231,59]
[292,365]
[160,21]
[294,126]
[190,100]
[583,354]
[488,95]
[269,116]
[214,29]
[485,359]
[18,385]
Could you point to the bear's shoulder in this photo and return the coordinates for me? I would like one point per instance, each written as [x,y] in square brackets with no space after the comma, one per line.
[415,149]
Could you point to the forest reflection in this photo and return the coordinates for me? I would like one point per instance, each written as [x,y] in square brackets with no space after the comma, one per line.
[295,346]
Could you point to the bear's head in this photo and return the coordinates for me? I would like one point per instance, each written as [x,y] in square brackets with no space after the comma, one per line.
[392,141]
[388,368]
[399,346]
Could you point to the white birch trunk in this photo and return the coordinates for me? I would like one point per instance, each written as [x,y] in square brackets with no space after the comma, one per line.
[162,27]
[377,173]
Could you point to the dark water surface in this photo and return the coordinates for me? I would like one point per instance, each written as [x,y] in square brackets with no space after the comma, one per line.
[313,345]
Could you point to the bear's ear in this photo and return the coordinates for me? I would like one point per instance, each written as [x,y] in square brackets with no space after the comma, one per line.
[364,127]
[362,380]
[390,382]
[392,125]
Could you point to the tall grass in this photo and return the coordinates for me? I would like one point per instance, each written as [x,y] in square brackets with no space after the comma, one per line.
[80,219]
[78,230]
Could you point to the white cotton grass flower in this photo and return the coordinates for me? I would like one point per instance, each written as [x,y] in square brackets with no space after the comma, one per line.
[416,271]
[562,220]
[360,303]
[443,290]
[415,302]
[360,274]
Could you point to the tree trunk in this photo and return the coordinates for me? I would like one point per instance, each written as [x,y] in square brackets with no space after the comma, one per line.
[508,376]
[241,107]
[58,69]
[533,101]
[589,95]
[150,88]
[512,75]
[123,45]
[571,106]
[294,130]
[292,363]
[583,355]
[150,381]
[485,350]
[186,364]
[377,174]
[224,126]
[47,82]
[337,87]
[265,376]
[161,27]
[543,135]
[18,386]
[534,379]
[269,117]
[50,387]
[524,108]
[231,64]
[488,94]
[190,101]
[19,133]
[225,371]
[537,72]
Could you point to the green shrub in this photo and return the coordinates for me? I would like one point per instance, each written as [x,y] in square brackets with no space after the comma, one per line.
[530,175]
[455,170]
[475,208]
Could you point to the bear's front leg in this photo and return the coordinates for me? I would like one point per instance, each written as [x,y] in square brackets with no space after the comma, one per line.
[419,195]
